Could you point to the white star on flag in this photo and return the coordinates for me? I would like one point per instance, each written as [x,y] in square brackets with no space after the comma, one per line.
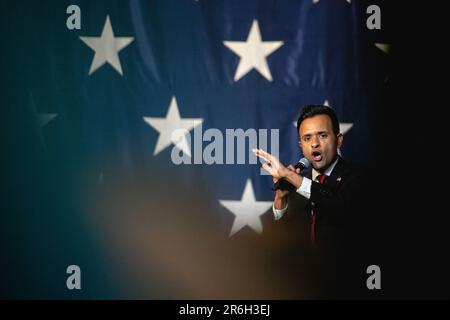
[171,124]
[247,211]
[385,47]
[45,118]
[345,126]
[106,48]
[253,53]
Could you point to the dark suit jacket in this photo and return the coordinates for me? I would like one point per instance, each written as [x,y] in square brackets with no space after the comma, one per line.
[336,260]
[337,204]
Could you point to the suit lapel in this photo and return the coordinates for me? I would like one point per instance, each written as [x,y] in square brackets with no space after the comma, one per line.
[339,173]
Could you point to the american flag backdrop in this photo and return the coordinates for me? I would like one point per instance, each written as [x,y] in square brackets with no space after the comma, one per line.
[91,115]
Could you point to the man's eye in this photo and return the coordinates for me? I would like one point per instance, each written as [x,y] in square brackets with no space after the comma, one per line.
[306,138]
[324,135]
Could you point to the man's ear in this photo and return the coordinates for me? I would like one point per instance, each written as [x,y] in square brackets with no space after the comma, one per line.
[340,139]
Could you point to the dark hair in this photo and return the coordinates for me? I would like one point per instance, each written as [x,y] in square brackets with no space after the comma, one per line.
[312,110]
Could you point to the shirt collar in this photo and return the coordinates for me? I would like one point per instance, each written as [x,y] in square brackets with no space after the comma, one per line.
[327,172]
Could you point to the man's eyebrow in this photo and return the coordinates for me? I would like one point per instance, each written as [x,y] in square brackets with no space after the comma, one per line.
[318,132]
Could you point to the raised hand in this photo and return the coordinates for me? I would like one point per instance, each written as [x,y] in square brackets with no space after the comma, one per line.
[272,164]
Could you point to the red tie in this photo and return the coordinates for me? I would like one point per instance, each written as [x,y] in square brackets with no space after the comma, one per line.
[321,178]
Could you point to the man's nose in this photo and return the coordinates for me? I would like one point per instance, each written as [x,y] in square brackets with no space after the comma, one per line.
[315,142]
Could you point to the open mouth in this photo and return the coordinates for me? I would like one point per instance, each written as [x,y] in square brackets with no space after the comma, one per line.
[317,155]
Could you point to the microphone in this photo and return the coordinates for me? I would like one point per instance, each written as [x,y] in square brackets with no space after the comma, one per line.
[282,184]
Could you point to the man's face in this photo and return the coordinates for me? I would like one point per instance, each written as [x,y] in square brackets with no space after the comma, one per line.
[318,141]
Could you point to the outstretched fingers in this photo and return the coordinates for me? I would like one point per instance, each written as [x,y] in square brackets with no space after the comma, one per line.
[267,167]
[263,155]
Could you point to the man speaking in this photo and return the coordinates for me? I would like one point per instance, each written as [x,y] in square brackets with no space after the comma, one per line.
[324,202]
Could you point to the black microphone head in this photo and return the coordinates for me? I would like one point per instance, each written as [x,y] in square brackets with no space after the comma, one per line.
[302,164]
